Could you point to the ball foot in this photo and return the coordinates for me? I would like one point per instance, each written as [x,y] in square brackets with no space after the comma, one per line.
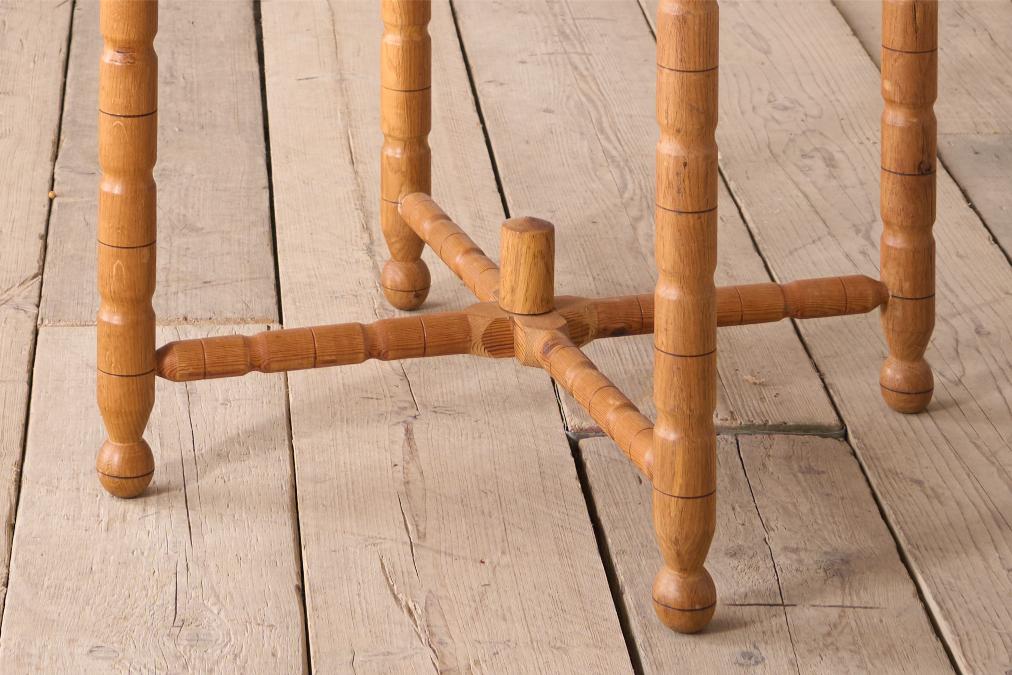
[906,386]
[405,284]
[684,602]
[125,469]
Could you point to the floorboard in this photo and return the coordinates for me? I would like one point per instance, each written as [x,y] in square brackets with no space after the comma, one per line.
[442,520]
[807,574]
[201,571]
[33,52]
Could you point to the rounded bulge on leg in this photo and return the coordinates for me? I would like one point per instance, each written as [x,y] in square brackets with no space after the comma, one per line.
[125,463]
[125,469]
[906,386]
[684,595]
[405,283]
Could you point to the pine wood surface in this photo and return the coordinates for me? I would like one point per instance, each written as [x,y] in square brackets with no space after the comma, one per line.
[127,237]
[405,157]
[808,578]
[975,132]
[203,571]
[214,235]
[33,46]
[684,454]
[444,490]
[570,114]
[799,146]
[907,189]
[33,43]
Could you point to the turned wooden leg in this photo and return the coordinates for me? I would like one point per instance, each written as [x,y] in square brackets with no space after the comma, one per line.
[685,323]
[909,88]
[405,117]
[127,134]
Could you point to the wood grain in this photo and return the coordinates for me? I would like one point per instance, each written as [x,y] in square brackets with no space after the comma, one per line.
[907,187]
[570,113]
[808,576]
[405,157]
[214,249]
[684,453]
[33,43]
[33,52]
[800,108]
[125,323]
[975,94]
[426,483]
[203,571]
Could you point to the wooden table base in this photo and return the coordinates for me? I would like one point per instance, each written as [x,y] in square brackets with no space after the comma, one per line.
[518,314]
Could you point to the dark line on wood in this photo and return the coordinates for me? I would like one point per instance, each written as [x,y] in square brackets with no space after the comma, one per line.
[794,322]
[973,207]
[261,63]
[297,520]
[686,213]
[754,430]
[126,248]
[909,174]
[61,104]
[106,372]
[135,116]
[604,553]
[907,565]
[688,71]
[477,107]
[668,494]
[773,558]
[901,51]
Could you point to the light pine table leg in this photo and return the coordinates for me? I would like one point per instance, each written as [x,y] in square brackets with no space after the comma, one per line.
[127,137]
[685,329]
[405,165]
[909,137]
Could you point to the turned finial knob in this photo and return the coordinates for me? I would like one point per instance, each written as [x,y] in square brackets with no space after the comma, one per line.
[527,266]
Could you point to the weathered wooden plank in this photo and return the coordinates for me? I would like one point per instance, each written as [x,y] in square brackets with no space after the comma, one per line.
[799,146]
[17,346]
[851,605]
[981,165]
[202,571]
[807,574]
[974,96]
[33,51]
[749,629]
[215,254]
[570,112]
[441,516]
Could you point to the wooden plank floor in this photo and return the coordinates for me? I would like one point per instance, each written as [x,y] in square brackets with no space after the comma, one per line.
[454,514]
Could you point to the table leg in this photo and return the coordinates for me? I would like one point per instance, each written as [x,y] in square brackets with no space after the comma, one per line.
[127,138]
[683,462]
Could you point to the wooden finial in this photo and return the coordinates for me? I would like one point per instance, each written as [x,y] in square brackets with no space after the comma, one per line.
[909,89]
[127,135]
[527,266]
[405,118]
[683,467]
